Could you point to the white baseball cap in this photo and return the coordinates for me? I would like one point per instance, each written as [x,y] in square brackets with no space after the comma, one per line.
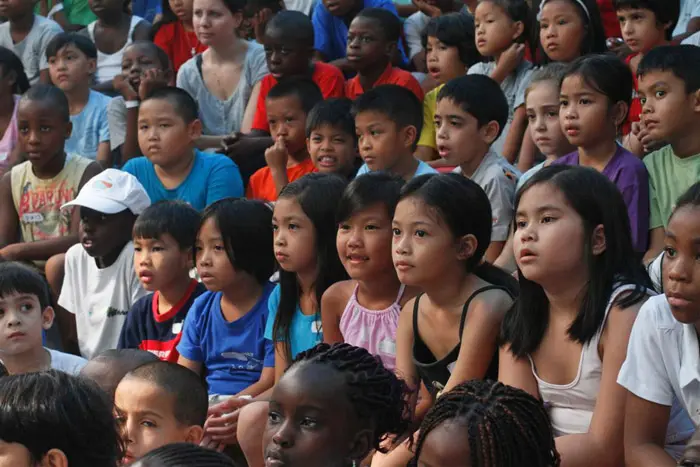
[111,192]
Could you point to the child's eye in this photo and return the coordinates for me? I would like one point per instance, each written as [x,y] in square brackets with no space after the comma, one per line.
[396,232]
[670,252]
[25,307]
[547,220]
[274,418]
[660,94]
[561,22]
[374,133]
[531,117]
[275,227]
[165,125]
[585,101]
[520,225]
[309,423]
[23,130]
[421,233]
[219,248]
[338,141]
[371,227]
[293,226]
[553,114]
[288,120]
[148,424]
[143,127]
[343,227]
[563,103]
[366,39]
[45,129]
[157,248]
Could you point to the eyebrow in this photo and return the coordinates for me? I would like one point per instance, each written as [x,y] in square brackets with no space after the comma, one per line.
[670,235]
[21,296]
[541,209]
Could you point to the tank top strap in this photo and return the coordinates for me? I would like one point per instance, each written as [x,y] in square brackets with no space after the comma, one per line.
[399,296]
[416,304]
[465,309]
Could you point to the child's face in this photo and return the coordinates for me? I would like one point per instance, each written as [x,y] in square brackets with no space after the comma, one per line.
[381,143]
[15,8]
[101,234]
[640,30]
[15,455]
[681,266]
[136,61]
[364,243]
[160,261]
[443,60]
[495,30]
[294,237]
[103,8]
[182,9]
[287,121]
[542,108]
[562,30]
[445,446]
[339,7]
[332,150]
[213,264]
[42,131]
[460,140]
[22,321]
[164,137]
[214,23]
[285,57]
[367,47]
[71,69]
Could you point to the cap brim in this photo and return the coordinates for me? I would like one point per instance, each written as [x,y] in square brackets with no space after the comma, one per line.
[105,206]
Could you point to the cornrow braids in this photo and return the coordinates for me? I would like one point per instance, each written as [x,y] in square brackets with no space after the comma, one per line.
[377,394]
[506,427]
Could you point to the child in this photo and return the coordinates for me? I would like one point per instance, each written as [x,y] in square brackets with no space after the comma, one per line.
[331,138]
[72,64]
[469,116]
[501,30]
[26,313]
[594,99]
[52,418]
[287,104]
[28,35]
[388,121]
[13,83]
[174,33]
[658,369]
[157,404]
[172,168]
[222,339]
[164,235]
[372,39]
[100,285]
[503,425]
[32,226]
[182,455]
[108,367]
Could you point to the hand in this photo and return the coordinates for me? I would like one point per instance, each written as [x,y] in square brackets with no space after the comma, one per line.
[511,58]
[259,21]
[229,142]
[276,155]
[150,80]
[640,131]
[429,10]
[222,422]
[124,87]
[9,253]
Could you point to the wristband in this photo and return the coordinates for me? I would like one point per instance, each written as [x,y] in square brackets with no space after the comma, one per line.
[131,104]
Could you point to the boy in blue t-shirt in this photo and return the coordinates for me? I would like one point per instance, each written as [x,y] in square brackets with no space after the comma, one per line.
[172,168]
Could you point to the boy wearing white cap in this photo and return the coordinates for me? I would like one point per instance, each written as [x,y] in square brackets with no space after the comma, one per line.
[100,284]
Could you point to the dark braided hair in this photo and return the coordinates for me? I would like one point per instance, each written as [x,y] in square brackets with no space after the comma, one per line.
[184,455]
[506,427]
[377,394]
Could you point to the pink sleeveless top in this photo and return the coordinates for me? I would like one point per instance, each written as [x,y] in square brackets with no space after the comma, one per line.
[373,330]
[9,140]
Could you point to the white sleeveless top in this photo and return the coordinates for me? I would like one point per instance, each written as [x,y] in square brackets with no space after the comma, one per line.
[110,65]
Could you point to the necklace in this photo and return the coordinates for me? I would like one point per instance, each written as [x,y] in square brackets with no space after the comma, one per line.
[193,49]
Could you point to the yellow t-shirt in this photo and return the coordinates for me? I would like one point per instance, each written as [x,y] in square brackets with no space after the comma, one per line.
[427,134]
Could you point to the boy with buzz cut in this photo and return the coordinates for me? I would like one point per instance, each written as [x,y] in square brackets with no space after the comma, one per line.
[470,115]
[109,367]
[163,236]
[172,398]
[331,138]
[72,60]
[168,127]
[388,121]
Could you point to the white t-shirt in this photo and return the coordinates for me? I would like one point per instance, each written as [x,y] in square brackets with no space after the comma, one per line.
[32,50]
[692,40]
[65,362]
[689,10]
[305,6]
[413,29]
[99,298]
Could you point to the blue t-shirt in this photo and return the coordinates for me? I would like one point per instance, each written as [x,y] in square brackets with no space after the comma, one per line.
[213,177]
[90,127]
[146,9]
[331,32]
[422,169]
[305,331]
[233,354]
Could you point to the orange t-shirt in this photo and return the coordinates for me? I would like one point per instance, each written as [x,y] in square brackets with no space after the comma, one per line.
[391,75]
[330,81]
[262,186]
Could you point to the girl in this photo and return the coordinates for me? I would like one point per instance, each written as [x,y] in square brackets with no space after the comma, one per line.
[175,34]
[225,79]
[501,31]
[364,311]
[504,426]
[594,98]
[13,83]
[332,407]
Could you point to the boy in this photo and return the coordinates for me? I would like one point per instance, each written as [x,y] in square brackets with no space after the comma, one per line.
[26,313]
[470,114]
[288,104]
[107,368]
[372,40]
[100,285]
[388,120]
[331,138]
[72,60]
[27,35]
[173,169]
[32,225]
[170,397]
[164,235]
[669,89]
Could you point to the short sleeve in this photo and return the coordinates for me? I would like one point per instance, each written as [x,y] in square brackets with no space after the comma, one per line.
[162,40]
[413,31]
[67,298]
[655,218]
[427,134]
[363,170]
[225,179]
[51,30]
[272,303]
[636,196]
[269,361]
[186,77]
[257,66]
[320,20]
[332,83]
[190,345]
[478,69]
[130,336]
[116,119]
[500,192]
[131,168]
[413,85]
[523,83]
[104,123]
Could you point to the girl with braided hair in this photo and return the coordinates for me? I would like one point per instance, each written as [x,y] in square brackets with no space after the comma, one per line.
[505,427]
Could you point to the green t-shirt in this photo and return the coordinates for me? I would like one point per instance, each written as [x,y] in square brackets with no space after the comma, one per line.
[669,177]
[76,11]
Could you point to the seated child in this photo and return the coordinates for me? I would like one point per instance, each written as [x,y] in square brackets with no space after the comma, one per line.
[222,339]
[164,235]
[55,419]
[415,28]
[288,104]
[100,285]
[26,314]
[388,120]
[331,138]
[14,83]
[32,226]
[157,404]
[108,367]
[172,168]
[174,33]
[181,454]
[372,40]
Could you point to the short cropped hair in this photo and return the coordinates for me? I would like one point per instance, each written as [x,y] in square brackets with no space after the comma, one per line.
[681,60]
[389,23]
[46,93]
[294,26]
[183,103]
[173,217]
[20,279]
[303,89]
[81,42]
[665,11]
[334,112]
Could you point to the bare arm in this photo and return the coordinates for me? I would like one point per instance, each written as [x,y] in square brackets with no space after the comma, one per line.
[506,260]
[405,368]
[516,372]
[266,381]
[645,433]
[426,153]
[104,155]
[9,219]
[527,153]
[332,305]
[514,139]
[493,251]
[250,108]
[197,367]
[281,362]
[130,148]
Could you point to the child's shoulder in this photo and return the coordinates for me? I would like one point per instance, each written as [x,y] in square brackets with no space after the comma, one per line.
[339,294]
[42,24]
[655,314]
[65,362]
[99,100]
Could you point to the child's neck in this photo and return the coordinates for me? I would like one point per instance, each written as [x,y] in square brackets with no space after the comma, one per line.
[406,167]
[187,25]
[565,295]
[171,176]
[78,99]
[34,360]
[238,299]
[171,294]
[687,145]
[51,169]
[369,77]
[452,288]
[22,24]
[115,19]
[471,166]
[110,258]
[382,287]
[599,155]
[298,157]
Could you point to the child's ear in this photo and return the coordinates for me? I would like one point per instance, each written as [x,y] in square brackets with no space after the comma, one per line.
[391,47]
[194,434]
[489,132]
[466,247]
[518,30]
[195,129]
[54,458]
[619,113]
[598,243]
[308,145]
[409,136]
[69,129]
[47,317]
[695,99]
[361,446]
[92,65]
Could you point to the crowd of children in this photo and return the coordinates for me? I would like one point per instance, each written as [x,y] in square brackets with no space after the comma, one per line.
[350,233]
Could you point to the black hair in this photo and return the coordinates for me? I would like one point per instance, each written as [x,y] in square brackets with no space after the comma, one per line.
[191,401]
[691,197]
[254,6]
[54,410]
[665,11]
[294,26]
[389,23]
[379,397]
[334,112]
[599,202]
[606,74]
[159,53]
[368,190]
[517,10]
[46,93]
[680,60]
[3,370]
[17,278]
[303,89]
[184,455]
[81,42]
[235,6]
[318,195]
[131,357]
[11,63]
[183,103]
[479,96]
[505,426]
[246,229]
[173,217]
[399,104]
[454,30]
[553,72]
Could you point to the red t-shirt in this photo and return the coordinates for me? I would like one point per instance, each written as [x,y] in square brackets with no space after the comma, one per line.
[262,186]
[636,105]
[608,15]
[178,43]
[330,81]
[391,75]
